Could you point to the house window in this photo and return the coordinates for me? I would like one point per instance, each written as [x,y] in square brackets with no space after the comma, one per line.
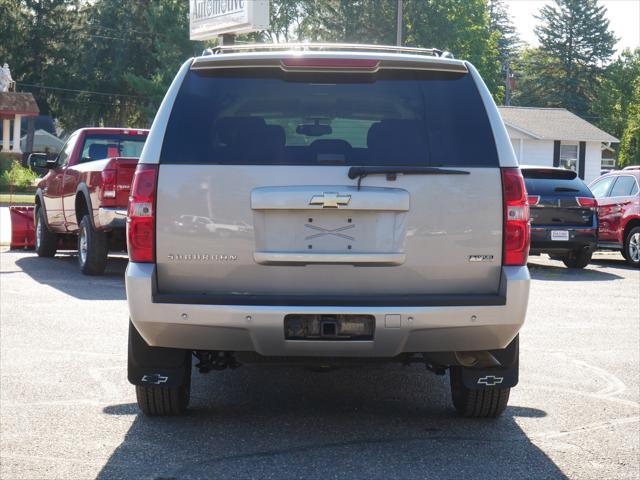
[569,157]
[608,162]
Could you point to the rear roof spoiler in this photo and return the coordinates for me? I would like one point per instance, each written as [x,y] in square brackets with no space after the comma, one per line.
[306,47]
[387,59]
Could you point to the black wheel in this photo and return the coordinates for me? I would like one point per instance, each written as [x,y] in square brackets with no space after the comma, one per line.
[489,402]
[577,258]
[631,250]
[165,401]
[46,240]
[93,248]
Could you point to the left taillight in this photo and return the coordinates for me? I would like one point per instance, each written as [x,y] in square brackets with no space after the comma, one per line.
[108,184]
[587,202]
[141,214]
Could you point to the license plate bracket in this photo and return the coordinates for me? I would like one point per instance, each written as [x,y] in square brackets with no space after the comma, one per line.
[329,327]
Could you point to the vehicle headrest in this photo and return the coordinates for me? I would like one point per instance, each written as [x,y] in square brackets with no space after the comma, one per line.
[276,135]
[238,130]
[98,151]
[113,150]
[398,135]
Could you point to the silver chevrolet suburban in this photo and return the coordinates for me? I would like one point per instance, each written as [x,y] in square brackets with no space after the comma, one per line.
[353,203]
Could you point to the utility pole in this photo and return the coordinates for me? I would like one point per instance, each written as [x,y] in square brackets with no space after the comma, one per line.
[399,25]
[507,83]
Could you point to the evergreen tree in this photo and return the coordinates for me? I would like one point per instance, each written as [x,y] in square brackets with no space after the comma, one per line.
[500,21]
[575,37]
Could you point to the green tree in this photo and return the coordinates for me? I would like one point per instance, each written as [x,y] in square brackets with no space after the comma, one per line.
[630,142]
[611,106]
[575,43]
[39,40]
[500,21]
[462,28]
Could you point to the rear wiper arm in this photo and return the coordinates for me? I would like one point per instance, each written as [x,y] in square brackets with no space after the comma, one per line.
[392,172]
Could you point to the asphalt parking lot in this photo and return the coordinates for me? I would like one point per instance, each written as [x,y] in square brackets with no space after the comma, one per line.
[67,410]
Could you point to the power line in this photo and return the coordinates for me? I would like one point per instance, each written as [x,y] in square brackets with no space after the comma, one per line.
[46,87]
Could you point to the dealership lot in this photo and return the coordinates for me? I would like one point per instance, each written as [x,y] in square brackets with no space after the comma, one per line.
[67,410]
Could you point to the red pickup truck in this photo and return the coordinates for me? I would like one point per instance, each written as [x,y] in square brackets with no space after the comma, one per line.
[85,194]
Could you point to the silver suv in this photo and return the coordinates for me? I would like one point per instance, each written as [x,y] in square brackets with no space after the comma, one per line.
[357,203]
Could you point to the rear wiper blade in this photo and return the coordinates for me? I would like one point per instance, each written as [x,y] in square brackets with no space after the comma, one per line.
[391,172]
[566,189]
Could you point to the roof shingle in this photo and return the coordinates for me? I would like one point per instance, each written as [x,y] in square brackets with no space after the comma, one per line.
[553,124]
[21,103]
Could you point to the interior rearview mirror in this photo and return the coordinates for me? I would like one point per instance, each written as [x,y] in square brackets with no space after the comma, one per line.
[313,129]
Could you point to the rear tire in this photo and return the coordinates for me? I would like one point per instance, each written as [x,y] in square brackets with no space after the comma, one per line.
[631,250]
[489,402]
[46,240]
[165,401]
[93,248]
[577,258]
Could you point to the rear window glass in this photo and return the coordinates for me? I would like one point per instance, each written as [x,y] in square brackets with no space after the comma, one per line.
[273,117]
[554,182]
[99,146]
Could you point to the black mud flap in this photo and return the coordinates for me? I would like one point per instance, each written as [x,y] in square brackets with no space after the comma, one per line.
[505,376]
[156,366]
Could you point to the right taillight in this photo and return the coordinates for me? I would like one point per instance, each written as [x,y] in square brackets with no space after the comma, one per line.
[141,214]
[516,218]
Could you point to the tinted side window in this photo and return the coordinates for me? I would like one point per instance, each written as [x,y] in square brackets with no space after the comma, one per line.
[601,187]
[67,150]
[623,186]
[272,117]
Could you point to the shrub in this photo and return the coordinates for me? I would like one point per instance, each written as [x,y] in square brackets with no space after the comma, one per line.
[7,160]
[20,177]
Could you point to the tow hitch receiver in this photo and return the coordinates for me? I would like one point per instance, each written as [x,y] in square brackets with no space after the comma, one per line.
[329,327]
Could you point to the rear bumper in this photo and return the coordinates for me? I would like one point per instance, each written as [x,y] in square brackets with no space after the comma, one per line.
[109,218]
[579,238]
[260,329]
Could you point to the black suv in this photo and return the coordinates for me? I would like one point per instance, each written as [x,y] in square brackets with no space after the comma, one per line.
[564,222]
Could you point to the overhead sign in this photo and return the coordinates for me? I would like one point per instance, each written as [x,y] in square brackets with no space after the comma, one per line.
[210,18]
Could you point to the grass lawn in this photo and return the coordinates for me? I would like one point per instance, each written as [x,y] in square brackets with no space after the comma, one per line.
[17,198]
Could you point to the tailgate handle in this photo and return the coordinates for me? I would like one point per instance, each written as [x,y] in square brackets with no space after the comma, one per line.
[271,258]
[391,172]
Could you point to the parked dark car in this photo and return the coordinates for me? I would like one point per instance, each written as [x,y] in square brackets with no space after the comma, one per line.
[564,221]
[618,196]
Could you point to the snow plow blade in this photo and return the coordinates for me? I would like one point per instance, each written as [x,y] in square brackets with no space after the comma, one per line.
[23,231]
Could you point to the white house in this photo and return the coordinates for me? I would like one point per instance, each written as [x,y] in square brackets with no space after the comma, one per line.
[556,137]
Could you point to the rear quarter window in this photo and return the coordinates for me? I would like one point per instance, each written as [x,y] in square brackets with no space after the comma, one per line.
[394,117]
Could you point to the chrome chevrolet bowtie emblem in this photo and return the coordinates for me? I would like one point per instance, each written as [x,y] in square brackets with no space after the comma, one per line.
[330,200]
[490,380]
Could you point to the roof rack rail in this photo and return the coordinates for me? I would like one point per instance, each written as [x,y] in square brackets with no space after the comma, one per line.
[632,167]
[324,46]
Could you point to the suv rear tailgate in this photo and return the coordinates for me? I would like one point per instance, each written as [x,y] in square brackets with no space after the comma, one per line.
[254,195]
[414,235]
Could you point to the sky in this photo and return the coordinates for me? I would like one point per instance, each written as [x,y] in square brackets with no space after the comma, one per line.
[624,18]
